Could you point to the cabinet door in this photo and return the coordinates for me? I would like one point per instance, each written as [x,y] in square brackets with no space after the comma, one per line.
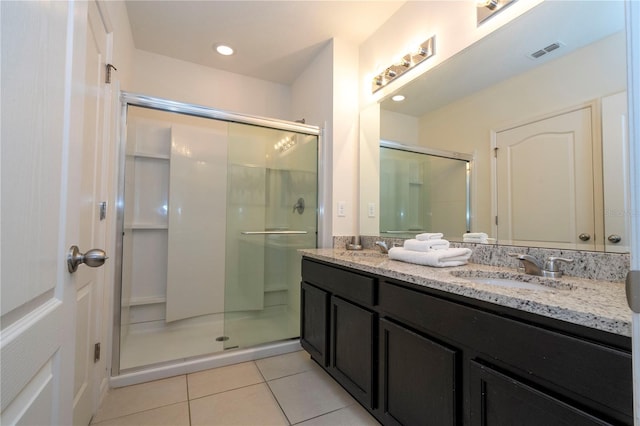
[419,381]
[314,326]
[497,399]
[352,354]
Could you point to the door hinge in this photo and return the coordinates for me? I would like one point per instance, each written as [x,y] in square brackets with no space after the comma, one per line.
[495,152]
[103,210]
[96,352]
[108,74]
[496,220]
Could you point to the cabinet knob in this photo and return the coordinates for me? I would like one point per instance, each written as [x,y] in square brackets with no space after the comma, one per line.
[613,238]
[584,237]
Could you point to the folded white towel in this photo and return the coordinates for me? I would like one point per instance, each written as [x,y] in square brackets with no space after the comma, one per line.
[427,245]
[475,235]
[437,258]
[429,236]
[475,240]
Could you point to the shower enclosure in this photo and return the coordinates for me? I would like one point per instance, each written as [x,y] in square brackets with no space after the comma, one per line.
[213,208]
[424,190]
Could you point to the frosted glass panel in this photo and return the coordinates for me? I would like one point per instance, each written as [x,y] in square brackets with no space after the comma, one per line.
[269,171]
[197,199]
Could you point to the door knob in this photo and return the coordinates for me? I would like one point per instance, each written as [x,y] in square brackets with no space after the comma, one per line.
[93,258]
[613,238]
[584,237]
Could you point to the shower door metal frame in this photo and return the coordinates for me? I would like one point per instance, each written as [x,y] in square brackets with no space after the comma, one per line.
[134,99]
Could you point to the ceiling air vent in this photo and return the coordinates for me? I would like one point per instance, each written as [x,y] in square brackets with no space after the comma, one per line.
[550,48]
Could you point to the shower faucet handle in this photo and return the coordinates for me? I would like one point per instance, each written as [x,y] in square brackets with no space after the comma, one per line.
[299,206]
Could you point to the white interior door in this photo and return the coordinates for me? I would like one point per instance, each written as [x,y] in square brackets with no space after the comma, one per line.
[39,167]
[545,184]
[90,281]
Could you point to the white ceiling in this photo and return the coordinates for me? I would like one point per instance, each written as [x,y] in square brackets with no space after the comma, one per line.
[273,40]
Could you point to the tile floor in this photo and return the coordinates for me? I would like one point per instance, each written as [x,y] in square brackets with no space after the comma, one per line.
[287,389]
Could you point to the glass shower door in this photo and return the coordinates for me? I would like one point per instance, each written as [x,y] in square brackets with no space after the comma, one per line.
[271,213]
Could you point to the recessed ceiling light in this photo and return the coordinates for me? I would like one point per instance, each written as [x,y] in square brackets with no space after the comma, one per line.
[224,50]
[398,98]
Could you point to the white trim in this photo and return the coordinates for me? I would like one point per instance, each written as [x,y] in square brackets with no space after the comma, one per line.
[213,361]
[633,93]
[425,150]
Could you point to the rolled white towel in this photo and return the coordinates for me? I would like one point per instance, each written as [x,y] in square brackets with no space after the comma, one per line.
[427,245]
[436,258]
[429,236]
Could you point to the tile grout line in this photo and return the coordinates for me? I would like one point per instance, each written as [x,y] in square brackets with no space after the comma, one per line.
[136,412]
[266,382]
[186,378]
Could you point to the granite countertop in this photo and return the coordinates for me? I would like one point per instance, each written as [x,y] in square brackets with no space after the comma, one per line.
[592,303]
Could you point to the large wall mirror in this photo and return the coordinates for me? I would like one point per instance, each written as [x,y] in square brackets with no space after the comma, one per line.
[540,106]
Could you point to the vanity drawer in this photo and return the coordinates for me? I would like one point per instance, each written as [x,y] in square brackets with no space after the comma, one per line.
[355,287]
[584,371]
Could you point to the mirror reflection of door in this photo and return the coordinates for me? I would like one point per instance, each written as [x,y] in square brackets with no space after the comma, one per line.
[615,168]
[545,182]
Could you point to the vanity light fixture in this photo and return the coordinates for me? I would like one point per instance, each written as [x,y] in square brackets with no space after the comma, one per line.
[409,61]
[224,50]
[285,144]
[487,8]
[489,4]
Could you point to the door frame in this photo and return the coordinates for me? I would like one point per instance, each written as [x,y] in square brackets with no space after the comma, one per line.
[633,103]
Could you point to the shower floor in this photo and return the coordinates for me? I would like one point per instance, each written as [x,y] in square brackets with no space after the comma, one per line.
[156,342]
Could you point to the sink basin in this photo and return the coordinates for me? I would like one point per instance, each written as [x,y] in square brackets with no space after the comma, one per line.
[505,282]
[513,280]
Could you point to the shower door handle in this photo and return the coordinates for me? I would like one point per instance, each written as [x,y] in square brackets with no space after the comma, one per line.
[273,232]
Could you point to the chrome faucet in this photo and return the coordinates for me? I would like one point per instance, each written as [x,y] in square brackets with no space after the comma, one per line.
[528,263]
[384,248]
[532,267]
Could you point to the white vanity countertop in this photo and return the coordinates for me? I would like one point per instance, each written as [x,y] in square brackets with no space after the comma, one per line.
[592,303]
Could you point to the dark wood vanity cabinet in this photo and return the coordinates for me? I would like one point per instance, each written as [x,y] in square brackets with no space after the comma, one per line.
[417,356]
[338,326]
[314,323]
[419,378]
[498,399]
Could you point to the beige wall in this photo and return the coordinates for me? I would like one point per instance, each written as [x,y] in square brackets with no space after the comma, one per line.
[345,137]
[169,78]
[401,128]
[309,101]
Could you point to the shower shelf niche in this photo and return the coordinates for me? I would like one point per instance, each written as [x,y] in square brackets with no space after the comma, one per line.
[156,156]
[145,230]
[150,226]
